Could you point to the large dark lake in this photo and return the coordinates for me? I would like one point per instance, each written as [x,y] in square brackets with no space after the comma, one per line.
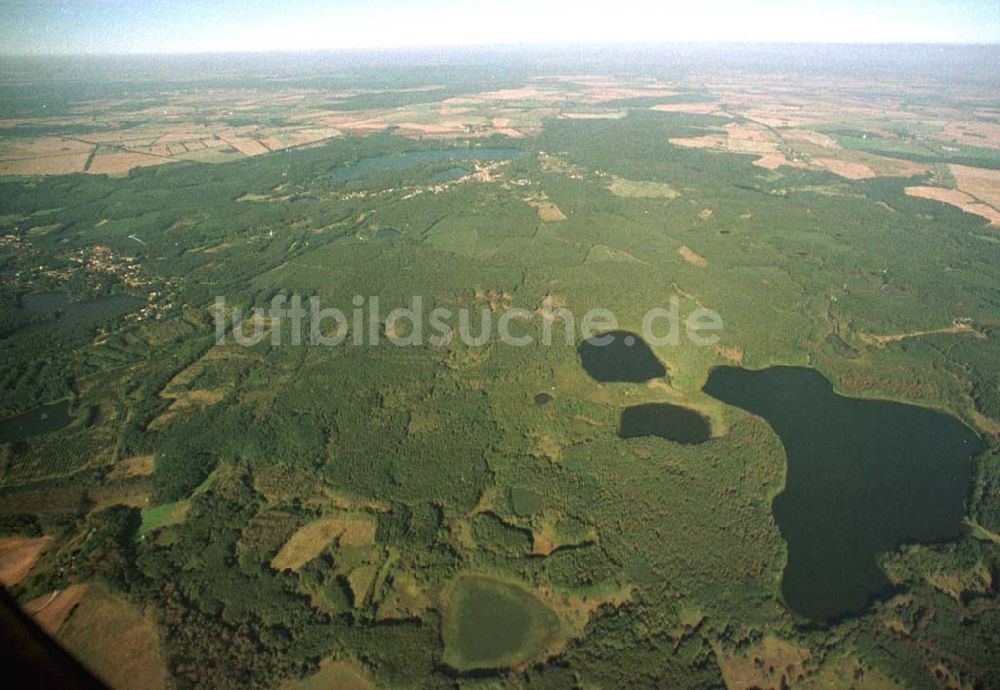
[864,476]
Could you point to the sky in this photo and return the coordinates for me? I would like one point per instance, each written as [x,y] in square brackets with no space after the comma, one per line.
[196,26]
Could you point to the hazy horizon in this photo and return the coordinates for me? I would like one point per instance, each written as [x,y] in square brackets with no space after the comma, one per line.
[127,27]
[452,49]
[946,64]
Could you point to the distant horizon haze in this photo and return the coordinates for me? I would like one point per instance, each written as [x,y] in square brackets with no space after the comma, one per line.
[132,27]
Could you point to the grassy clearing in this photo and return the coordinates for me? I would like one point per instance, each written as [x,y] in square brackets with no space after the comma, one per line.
[335,675]
[692,257]
[115,641]
[848,671]
[771,665]
[547,210]
[641,189]
[163,515]
[18,556]
[51,610]
[349,529]
[137,466]
[405,600]
[172,513]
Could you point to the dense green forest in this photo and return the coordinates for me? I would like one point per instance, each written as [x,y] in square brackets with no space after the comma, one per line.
[275,506]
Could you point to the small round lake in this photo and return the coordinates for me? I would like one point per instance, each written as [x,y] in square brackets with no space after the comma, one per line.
[491,624]
[672,422]
[619,357]
[864,476]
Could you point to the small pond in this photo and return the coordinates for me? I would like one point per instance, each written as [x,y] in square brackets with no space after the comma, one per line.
[672,422]
[619,356]
[491,624]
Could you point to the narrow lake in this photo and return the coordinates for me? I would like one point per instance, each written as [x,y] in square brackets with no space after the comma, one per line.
[864,476]
[40,420]
[85,313]
[398,161]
